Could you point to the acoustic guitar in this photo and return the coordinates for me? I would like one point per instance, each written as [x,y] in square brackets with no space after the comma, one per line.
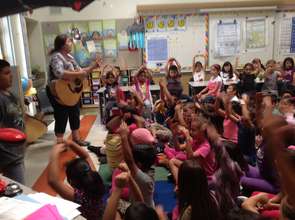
[67,92]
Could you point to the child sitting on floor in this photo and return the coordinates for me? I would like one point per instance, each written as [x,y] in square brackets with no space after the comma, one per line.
[142,88]
[85,184]
[214,84]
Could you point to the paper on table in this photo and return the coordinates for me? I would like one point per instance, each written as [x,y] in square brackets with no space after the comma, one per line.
[8,207]
[47,212]
[66,208]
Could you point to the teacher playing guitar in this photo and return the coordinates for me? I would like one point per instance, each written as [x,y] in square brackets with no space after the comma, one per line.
[65,87]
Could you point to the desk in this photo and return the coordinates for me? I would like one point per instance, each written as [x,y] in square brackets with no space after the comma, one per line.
[27,190]
[196,87]
[155,89]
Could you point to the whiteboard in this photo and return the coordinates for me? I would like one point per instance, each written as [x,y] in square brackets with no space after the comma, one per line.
[245,55]
[182,45]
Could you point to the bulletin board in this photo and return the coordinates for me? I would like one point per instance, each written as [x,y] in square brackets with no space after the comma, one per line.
[124,58]
[254,32]
[181,44]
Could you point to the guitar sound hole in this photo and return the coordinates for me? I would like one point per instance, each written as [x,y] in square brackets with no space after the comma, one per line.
[77,82]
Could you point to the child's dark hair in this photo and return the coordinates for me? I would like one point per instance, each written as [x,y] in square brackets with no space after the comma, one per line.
[285,61]
[3,64]
[217,67]
[173,68]
[81,177]
[227,181]
[249,64]
[199,63]
[139,210]
[194,192]
[110,74]
[145,155]
[118,68]
[256,61]
[231,71]
[235,153]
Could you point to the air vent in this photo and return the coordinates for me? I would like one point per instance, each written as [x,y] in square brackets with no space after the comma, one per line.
[55,10]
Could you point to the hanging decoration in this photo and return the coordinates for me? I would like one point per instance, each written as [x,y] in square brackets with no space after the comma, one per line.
[150,24]
[136,35]
[181,22]
[171,22]
[161,22]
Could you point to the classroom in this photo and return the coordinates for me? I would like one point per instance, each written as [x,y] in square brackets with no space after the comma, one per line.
[147,110]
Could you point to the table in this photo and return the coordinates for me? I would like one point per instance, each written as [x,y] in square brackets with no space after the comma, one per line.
[154,89]
[196,87]
[28,190]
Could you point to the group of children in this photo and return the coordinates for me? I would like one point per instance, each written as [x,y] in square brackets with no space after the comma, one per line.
[229,148]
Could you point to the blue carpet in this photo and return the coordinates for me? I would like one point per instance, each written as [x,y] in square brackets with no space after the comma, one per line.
[164,195]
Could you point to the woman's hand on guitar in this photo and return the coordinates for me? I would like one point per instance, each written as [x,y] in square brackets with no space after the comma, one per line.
[98,62]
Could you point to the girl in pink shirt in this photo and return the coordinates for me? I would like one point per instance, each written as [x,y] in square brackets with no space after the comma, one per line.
[214,84]
[196,147]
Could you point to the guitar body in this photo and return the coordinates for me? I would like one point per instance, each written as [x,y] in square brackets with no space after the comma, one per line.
[67,92]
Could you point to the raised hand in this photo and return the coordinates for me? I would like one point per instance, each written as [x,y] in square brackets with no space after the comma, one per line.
[122,180]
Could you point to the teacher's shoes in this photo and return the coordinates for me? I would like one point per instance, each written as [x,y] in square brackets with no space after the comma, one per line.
[82,143]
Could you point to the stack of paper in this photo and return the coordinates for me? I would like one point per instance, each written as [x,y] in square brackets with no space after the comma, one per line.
[47,212]
[67,209]
[14,209]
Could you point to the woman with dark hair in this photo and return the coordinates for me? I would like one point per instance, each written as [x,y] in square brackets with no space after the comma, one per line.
[196,201]
[62,65]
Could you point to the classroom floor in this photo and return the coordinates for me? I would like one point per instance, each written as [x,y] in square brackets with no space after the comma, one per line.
[37,154]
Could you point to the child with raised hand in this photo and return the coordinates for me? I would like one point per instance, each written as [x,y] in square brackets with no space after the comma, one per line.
[113,94]
[247,82]
[140,159]
[259,69]
[271,78]
[288,69]
[198,147]
[142,88]
[214,84]
[85,184]
[136,211]
[173,75]
[198,71]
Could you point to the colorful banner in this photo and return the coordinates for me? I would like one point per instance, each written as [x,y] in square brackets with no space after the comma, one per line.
[181,22]
[171,23]
[161,22]
[150,24]
[109,29]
